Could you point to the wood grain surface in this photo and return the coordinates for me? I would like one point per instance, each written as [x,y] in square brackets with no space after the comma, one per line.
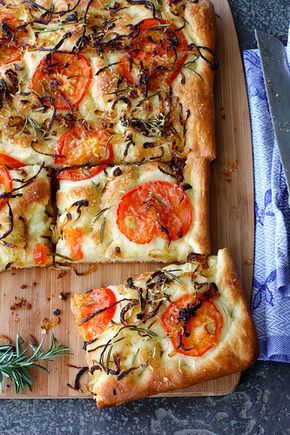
[232,225]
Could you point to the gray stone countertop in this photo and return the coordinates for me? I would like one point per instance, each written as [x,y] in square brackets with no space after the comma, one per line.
[261,403]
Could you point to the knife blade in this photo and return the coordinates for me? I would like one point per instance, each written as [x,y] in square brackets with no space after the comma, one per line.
[277,81]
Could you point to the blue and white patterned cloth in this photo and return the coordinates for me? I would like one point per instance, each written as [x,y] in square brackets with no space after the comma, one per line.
[271,283]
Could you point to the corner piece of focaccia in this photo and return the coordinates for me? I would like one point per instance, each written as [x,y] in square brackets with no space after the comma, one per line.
[88,82]
[165,330]
[149,212]
[25,217]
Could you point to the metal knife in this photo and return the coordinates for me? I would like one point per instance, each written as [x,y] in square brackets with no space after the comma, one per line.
[277,81]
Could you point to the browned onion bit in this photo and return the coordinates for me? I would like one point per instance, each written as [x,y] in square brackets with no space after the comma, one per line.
[186,313]
[61,12]
[150,314]
[79,204]
[10,229]
[101,310]
[131,284]
[117,370]
[21,218]
[121,98]
[126,372]
[83,39]
[61,41]
[24,184]
[127,308]
[106,67]
[192,257]
[213,63]
[180,344]
[77,385]
[177,165]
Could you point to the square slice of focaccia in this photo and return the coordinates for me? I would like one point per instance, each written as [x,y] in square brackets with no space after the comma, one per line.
[25,217]
[149,212]
[97,81]
[165,330]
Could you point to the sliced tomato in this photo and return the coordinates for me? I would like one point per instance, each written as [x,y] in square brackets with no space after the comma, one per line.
[156,208]
[97,299]
[10,161]
[79,146]
[40,254]
[10,48]
[201,333]
[159,48]
[126,70]
[5,184]
[79,174]
[65,77]
[74,239]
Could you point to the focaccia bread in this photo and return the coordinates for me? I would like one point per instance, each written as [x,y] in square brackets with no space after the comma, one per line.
[96,81]
[149,212]
[25,217]
[165,330]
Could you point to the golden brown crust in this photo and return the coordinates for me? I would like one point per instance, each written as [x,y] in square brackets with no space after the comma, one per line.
[201,16]
[197,171]
[37,192]
[236,350]
[247,346]
[196,95]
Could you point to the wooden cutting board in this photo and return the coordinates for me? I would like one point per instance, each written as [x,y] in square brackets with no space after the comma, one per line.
[232,225]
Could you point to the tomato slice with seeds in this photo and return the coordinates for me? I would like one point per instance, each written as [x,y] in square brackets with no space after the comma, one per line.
[10,48]
[65,77]
[96,299]
[5,185]
[203,329]
[79,174]
[74,240]
[40,254]
[79,146]
[154,209]
[159,47]
[10,161]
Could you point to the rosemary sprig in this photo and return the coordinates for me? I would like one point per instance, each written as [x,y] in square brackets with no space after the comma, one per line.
[147,98]
[102,230]
[15,361]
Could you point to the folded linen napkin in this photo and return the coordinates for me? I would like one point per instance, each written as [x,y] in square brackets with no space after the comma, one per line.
[271,283]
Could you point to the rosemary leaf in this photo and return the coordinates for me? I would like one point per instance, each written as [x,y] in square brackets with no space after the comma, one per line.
[15,361]
[172,276]
[100,213]
[102,230]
